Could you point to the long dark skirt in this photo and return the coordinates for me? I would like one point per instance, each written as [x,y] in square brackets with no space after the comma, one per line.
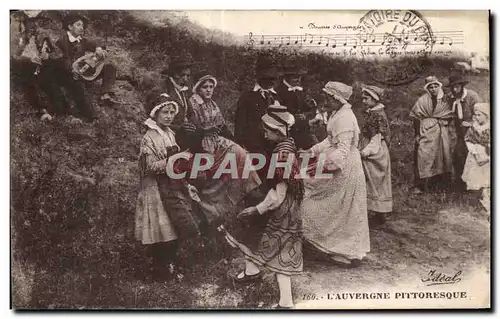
[188,220]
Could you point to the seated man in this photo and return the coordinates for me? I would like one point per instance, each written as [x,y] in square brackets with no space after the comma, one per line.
[33,59]
[74,46]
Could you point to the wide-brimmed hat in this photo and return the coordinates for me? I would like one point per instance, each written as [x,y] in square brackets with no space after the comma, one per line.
[277,118]
[267,72]
[72,18]
[265,68]
[293,69]
[339,90]
[375,92]
[178,63]
[456,79]
[155,100]
[431,80]
[202,77]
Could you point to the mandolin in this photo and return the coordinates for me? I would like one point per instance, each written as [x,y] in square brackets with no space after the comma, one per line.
[89,66]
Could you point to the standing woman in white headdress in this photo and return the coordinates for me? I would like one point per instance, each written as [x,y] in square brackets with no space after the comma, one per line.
[435,137]
[477,171]
[164,213]
[334,210]
[374,149]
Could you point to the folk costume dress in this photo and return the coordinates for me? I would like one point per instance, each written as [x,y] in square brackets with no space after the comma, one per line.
[477,169]
[436,135]
[334,210]
[280,247]
[221,193]
[376,161]
[164,206]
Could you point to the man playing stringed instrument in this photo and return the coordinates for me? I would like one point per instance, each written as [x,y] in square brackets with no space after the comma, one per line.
[74,47]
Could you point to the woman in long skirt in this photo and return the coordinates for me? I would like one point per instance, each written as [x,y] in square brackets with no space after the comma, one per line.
[164,210]
[375,156]
[334,209]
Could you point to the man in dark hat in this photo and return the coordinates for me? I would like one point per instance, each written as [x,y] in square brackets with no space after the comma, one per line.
[74,45]
[299,104]
[462,101]
[252,105]
[177,86]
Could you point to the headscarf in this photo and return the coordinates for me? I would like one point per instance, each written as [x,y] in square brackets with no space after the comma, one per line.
[483,108]
[202,80]
[432,80]
[155,102]
[278,119]
[158,101]
[375,92]
[340,91]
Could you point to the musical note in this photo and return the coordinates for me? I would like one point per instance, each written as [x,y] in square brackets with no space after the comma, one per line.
[365,37]
[280,43]
[347,38]
[355,43]
[442,40]
[334,45]
[389,38]
[312,38]
[401,38]
[405,34]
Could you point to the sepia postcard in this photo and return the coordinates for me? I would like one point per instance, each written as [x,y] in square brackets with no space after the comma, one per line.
[265,160]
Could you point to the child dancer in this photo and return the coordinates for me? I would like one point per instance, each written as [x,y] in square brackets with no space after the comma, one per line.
[280,247]
[477,165]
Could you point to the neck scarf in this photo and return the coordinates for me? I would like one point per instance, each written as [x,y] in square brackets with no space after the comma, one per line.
[457,105]
[167,134]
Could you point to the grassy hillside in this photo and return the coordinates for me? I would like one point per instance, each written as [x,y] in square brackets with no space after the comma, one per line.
[74,186]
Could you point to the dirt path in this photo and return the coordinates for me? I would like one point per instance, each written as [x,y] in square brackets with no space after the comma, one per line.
[402,256]
[448,233]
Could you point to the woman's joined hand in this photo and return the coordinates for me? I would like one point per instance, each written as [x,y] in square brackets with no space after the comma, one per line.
[311,169]
[314,121]
[364,153]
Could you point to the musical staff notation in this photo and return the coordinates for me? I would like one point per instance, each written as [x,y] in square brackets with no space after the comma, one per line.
[352,40]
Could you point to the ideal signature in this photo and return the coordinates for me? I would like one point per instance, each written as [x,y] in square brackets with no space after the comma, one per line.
[440,278]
